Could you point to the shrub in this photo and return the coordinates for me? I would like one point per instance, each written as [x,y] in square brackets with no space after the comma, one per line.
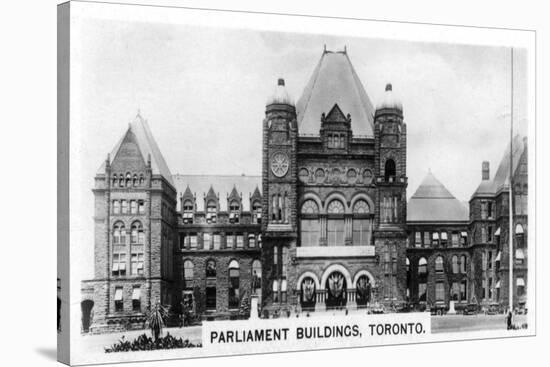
[144,342]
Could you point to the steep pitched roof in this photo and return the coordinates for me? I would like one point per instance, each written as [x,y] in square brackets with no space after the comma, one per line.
[502,175]
[334,80]
[222,185]
[147,146]
[432,202]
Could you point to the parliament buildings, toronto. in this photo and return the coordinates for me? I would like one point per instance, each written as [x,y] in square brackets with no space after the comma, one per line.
[326,225]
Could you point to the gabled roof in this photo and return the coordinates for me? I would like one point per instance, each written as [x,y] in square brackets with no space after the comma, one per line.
[334,80]
[147,146]
[502,175]
[202,185]
[432,202]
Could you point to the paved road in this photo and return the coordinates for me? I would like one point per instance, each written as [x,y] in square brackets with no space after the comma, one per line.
[458,323]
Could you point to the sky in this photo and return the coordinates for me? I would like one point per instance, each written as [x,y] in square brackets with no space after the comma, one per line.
[203,92]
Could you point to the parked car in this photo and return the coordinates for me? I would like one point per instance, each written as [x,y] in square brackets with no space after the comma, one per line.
[471,309]
[438,309]
[493,309]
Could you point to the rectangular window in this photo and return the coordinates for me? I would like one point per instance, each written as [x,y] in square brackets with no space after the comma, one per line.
[141,207]
[119,264]
[335,232]
[483,289]
[251,241]
[309,232]
[463,239]
[483,210]
[207,241]
[361,232]
[136,299]
[463,291]
[444,239]
[119,302]
[490,260]
[490,288]
[422,292]
[490,209]
[483,234]
[435,239]
[193,241]
[116,207]
[133,207]
[240,241]
[217,241]
[454,239]
[427,238]
[520,286]
[490,234]
[124,205]
[418,239]
[483,261]
[284,261]
[137,264]
[230,240]
[440,291]
[211,298]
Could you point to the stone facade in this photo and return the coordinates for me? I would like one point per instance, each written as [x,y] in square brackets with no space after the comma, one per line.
[329,228]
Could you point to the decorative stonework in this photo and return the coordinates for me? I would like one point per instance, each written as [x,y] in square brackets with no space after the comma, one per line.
[334,176]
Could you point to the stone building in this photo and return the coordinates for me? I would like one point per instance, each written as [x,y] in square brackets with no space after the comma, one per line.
[326,225]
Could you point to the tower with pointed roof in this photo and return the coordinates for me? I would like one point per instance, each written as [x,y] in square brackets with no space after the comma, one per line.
[135,221]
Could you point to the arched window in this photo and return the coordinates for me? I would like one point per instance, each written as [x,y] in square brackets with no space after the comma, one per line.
[234,273]
[310,227]
[188,206]
[439,264]
[454,262]
[335,223]
[257,276]
[463,264]
[128,179]
[210,269]
[422,266]
[363,289]
[136,234]
[188,274]
[121,180]
[361,225]
[119,234]
[135,180]
[389,170]
[408,264]
[307,294]
[141,180]
[275,289]
[114,179]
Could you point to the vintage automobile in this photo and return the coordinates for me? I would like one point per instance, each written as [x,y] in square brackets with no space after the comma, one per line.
[493,309]
[438,309]
[470,309]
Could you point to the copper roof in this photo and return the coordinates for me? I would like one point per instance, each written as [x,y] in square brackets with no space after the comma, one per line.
[432,202]
[501,179]
[334,81]
[147,146]
[222,185]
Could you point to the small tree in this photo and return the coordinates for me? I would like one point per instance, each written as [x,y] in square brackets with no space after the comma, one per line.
[156,319]
[244,309]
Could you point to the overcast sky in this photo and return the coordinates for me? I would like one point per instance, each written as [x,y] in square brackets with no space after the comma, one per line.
[203,92]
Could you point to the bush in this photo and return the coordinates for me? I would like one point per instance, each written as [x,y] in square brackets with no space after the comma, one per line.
[143,342]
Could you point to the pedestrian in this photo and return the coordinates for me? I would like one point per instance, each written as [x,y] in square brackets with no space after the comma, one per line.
[509,320]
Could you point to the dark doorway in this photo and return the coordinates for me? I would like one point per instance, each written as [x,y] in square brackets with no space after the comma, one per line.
[336,288]
[87,307]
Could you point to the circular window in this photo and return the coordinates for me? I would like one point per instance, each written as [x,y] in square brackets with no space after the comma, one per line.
[304,174]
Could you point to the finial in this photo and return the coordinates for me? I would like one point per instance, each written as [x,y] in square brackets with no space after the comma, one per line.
[281,81]
[388,87]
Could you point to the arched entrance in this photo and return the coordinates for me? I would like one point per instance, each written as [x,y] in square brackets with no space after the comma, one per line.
[87,308]
[363,289]
[336,290]
[308,294]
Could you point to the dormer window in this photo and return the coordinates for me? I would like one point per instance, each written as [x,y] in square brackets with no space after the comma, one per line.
[257,209]
[234,211]
[211,212]
[188,211]
[336,141]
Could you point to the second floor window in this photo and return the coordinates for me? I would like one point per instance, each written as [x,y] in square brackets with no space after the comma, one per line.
[119,264]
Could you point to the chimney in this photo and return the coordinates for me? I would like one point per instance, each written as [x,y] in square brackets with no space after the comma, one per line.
[485,171]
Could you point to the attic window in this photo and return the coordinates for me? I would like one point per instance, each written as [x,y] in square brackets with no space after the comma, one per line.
[336,141]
